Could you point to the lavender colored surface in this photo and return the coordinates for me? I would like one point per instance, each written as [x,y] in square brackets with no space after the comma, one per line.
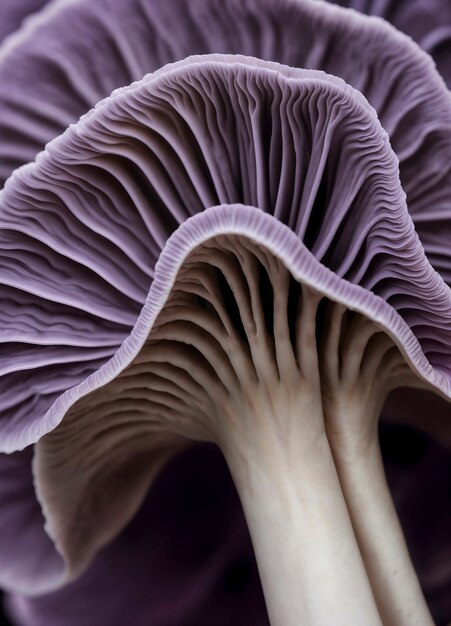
[62,99]
[394,75]
[426,21]
[13,12]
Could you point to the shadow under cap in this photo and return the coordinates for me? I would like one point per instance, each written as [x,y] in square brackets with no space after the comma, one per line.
[166,150]
[239,306]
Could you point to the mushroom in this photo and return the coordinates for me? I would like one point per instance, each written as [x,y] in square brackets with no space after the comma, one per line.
[428,23]
[12,14]
[198,365]
[411,100]
[408,94]
[396,77]
[298,16]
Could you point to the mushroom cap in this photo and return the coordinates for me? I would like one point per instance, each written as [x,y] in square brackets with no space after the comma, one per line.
[12,13]
[427,22]
[80,66]
[62,345]
[150,158]
[99,211]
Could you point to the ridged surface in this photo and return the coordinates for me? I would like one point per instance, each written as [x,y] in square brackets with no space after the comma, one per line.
[12,14]
[115,425]
[205,132]
[61,287]
[426,21]
[235,322]
[77,68]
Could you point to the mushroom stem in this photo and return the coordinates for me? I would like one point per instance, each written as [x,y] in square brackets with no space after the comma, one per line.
[233,358]
[382,545]
[311,569]
[256,329]
[359,367]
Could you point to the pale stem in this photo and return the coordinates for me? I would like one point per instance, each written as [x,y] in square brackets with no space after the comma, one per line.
[359,367]
[382,545]
[310,566]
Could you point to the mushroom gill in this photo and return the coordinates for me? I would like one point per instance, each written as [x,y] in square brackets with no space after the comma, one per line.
[92,216]
[82,230]
[96,209]
[394,75]
[13,13]
[230,357]
[428,23]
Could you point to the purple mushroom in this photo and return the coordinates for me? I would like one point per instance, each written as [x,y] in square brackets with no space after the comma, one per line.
[413,104]
[13,13]
[428,23]
[249,207]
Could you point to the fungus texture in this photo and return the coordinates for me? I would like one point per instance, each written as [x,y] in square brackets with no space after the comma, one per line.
[428,23]
[13,13]
[398,80]
[230,250]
